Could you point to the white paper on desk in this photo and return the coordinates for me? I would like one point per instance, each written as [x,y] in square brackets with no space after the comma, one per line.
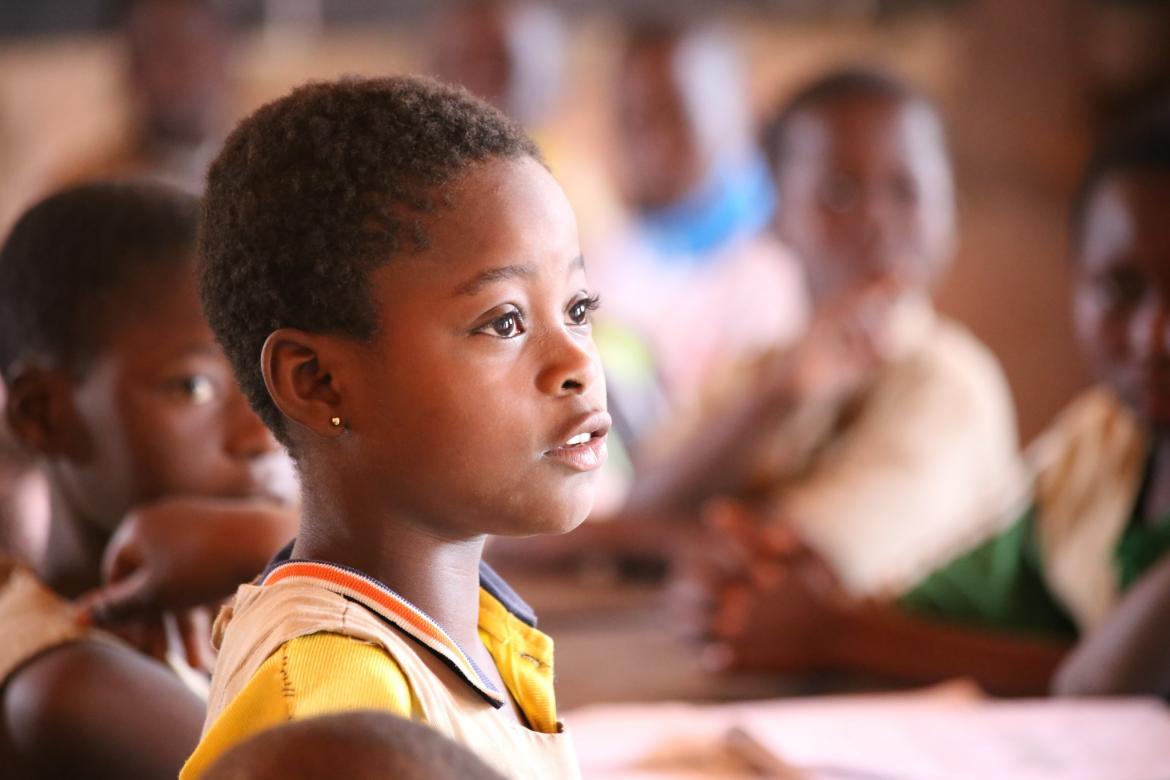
[1040,740]
[634,740]
[907,738]
[617,741]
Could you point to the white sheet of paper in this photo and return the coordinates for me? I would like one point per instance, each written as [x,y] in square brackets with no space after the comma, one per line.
[931,735]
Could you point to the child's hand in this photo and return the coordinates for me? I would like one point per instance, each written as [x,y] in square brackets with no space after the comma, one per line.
[763,600]
[182,553]
[844,344]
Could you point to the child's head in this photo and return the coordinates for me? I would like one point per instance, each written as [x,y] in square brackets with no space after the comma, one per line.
[1121,237]
[363,745]
[680,106]
[176,69]
[114,378]
[511,53]
[864,182]
[398,283]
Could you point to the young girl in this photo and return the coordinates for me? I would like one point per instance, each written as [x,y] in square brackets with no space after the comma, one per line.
[398,283]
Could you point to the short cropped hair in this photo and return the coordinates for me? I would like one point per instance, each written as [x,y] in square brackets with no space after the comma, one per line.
[1140,146]
[316,190]
[847,83]
[73,259]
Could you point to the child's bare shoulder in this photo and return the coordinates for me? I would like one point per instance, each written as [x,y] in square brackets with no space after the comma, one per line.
[60,707]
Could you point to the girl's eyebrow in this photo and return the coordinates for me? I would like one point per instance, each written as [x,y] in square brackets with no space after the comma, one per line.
[492,275]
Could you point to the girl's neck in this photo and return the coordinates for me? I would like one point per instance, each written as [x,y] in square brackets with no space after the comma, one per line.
[437,574]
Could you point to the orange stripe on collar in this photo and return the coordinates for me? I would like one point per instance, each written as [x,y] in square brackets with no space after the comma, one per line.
[392,608]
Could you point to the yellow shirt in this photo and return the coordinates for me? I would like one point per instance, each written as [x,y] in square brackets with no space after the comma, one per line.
[323,673]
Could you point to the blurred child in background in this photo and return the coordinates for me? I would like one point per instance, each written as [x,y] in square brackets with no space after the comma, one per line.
[887,433]
[178,93]
[1085,559]
[117,389]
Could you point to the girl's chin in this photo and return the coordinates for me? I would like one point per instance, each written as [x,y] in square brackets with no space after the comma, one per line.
[559,521]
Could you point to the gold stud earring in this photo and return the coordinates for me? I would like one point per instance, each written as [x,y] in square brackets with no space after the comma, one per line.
[335,422]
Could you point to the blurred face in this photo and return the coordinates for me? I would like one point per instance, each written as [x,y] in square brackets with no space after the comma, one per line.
[473,51]
[177,68]
[865,194]
[159,413]
[1122,303]
[479,406]
[659,156]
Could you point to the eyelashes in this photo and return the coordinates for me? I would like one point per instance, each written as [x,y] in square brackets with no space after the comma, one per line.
[580,310]
[508,326]
[513,322]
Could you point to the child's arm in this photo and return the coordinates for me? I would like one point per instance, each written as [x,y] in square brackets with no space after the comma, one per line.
[1127,654]
[99,711]
[883,640]
[183,552]
[792,628]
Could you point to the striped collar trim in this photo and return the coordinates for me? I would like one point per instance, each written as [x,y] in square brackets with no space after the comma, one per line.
[392,608]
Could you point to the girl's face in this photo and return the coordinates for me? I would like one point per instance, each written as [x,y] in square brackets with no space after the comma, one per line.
[479,405]
[1122,300]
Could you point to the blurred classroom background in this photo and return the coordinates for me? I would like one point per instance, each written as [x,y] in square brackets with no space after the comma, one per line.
[1024,88]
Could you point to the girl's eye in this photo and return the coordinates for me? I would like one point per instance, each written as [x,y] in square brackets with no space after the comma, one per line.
[579,311]
[508,326]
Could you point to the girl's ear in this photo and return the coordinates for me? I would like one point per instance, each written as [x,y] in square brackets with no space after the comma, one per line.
[300,372]
[39,410]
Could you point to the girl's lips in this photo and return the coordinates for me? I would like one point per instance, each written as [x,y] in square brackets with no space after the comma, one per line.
[588,456]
